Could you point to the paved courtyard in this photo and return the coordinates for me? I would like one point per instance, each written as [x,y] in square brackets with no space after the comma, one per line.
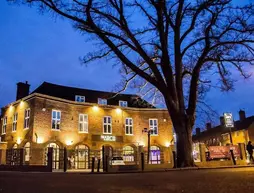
[240,180]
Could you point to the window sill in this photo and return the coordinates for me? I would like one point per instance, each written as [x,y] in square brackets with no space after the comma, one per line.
[81,132]
[56,130]
[154,135]
[129,134]
[107,133]
[26,128]
[3,134]
[13,131]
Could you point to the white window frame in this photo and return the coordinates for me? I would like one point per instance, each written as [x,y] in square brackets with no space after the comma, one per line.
[83,124]
[15,122]
[128,125]
[4,127]
[123,102]
[153,127]
[102,101]
[80,97]
[27,118]
[55,119]
[108,124]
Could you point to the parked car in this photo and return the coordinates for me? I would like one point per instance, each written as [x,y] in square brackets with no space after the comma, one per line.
[116,161]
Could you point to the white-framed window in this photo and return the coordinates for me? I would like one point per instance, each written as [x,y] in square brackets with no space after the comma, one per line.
[4,125]
[128,126]
[83,123]
[102,101]
[79,98]
[153,125]
[123,103]
[27,118]
[107,125]
[14,123]
[56,119]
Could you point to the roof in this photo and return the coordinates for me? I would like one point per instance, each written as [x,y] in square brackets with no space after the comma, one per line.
[91,96]
[220,129]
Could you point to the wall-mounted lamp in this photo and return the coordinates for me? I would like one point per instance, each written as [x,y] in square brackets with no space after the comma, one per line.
[18,140]
[95,108]
[69,142]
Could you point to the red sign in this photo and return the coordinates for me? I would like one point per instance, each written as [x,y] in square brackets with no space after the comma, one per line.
[223,152]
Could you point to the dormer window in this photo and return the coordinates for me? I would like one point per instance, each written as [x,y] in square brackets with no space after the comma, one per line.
[123,103]
[79,98]
[102,101]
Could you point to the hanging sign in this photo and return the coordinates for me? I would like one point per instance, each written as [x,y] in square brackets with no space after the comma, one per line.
[229,121]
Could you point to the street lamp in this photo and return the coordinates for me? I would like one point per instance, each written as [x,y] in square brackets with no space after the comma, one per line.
[148,131]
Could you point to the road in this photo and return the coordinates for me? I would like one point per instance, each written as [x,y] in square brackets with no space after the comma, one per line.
[240,180]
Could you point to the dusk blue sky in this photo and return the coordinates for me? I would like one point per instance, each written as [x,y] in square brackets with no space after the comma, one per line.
[37,48]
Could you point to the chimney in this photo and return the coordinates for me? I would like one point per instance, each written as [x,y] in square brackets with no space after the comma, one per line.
[198,131]
[242,115]
[22,90]
[208,126]
[222,121]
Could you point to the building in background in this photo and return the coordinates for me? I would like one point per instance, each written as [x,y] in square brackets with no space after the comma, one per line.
[83,121]
[242,132]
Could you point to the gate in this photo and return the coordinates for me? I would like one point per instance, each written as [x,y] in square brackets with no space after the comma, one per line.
[14,156]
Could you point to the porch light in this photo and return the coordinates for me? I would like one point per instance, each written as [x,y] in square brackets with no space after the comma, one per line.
[39,140]
[95,108]
[167,144]
[118,110]
[18,140]
[69,142]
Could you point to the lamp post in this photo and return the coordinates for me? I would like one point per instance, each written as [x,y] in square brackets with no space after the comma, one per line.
[148,131]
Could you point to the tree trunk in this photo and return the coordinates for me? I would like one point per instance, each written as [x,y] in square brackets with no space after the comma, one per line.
[184,146]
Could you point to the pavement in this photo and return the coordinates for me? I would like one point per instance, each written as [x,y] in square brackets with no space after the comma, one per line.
[230,180]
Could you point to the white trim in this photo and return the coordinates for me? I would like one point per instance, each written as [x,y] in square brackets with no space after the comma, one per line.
[27,118]
[107,124]
[129,125]
[55,119]
[152,126]
[14,121]
[4,125]
[81,97]
[84,123]
[121,101]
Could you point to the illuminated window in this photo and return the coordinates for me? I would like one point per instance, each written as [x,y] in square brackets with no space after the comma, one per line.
[102,101]
[56,155]
[83,123]
[123,103]
[107,125]
[14,123]
[4,125]
[128,154]
[79,98]
[153,125]
[128,126]
[81,157]
[56,119]
[27,118]
[155,155]
[27,151]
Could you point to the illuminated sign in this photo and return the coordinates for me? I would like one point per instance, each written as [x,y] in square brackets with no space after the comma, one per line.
[108,138]
[228,118]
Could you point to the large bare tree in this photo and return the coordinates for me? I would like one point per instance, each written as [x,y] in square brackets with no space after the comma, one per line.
[177,48]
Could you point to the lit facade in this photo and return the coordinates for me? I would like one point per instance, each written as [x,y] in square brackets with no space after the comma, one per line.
[40,120]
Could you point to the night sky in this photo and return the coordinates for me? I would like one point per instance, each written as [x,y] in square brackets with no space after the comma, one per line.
[37,48]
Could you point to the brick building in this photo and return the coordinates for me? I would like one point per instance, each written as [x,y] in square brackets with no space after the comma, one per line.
[83,121]
[242,132]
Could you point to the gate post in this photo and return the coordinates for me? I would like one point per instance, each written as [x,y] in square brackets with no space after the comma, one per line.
[65,159]
[50,159]
[21,156]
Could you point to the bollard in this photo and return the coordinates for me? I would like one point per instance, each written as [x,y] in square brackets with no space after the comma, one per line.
[174,158]
[142,161]
[232,156]
[103,158]
[93,161]
[98,166]
[65,160]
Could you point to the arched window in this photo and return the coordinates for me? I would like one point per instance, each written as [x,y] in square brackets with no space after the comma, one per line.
[55,154]
[81,157]
[128,154]
[27,148]
[155,155]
